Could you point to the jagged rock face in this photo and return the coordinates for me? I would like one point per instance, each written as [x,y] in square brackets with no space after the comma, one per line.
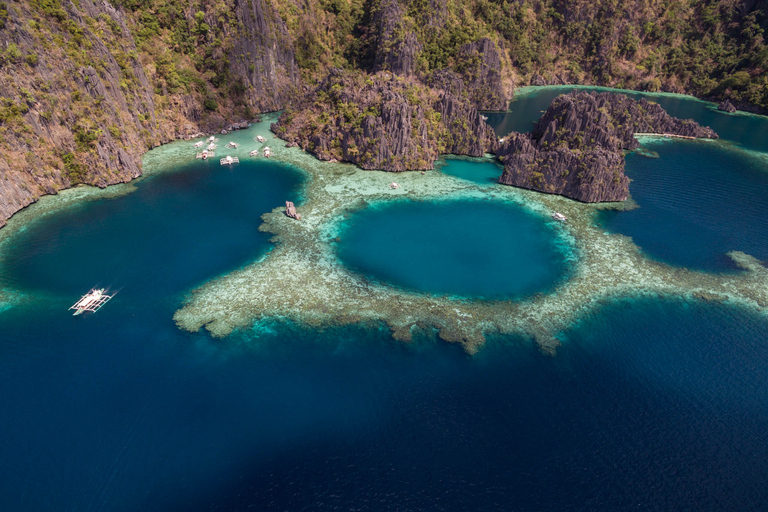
[591,176]
[478,79]
[264,56]
[468,133]
[396,44]
[609,120]
[384,122]
[85,110]
[481,65]
[576,148]
[726,106]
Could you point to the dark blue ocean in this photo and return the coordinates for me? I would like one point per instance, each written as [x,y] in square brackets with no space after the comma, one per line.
[648,405]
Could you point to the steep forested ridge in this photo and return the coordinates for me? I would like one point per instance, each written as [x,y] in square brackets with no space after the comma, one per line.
[88,85]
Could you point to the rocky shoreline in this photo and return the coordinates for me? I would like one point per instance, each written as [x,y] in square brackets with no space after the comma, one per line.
[577,147]
[384,122]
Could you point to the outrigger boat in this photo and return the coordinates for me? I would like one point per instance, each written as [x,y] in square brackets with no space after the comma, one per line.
[259,138]
[255,152]
[559,217]
[229,160]
[92,301]
[267,152]
[232,145]
[199,144]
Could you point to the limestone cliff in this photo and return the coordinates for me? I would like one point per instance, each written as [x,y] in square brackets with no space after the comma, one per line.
[88,87]
[384,122]
[477,78]
[576,148]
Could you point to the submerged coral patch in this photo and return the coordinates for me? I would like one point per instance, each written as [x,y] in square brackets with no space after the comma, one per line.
[301,279]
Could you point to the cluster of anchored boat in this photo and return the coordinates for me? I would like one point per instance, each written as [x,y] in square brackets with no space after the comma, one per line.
[229,160]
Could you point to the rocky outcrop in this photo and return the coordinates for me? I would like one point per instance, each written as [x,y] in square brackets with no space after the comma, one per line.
[384,122]
[262,56]
[726,106]
[592,176]
[290,211]
[396,43]
[576,148]
[477,77]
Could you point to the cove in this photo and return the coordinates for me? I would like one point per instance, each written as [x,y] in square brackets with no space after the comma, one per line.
[468,248]
[480,172]
[178,228]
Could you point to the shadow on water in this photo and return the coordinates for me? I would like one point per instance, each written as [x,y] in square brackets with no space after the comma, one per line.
[649,405]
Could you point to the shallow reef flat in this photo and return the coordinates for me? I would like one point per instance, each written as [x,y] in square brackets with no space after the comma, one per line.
[302,279]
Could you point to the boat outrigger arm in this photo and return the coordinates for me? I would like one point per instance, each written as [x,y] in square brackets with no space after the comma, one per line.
[92,301]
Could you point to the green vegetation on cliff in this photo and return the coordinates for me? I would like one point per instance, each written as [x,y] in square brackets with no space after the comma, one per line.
[88,85]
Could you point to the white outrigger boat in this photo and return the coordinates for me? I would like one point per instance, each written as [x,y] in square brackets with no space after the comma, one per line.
[267,152]
[229,160]
[232,145]
[255,152]
[259,138]
[92,301]
[199,144]
[205,154]
[559,217]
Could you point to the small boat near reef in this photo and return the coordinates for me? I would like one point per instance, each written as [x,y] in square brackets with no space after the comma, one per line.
[255,152]
[229,160]
[559,217]
[259,138]
[199,144]
[232,145]
[92,301]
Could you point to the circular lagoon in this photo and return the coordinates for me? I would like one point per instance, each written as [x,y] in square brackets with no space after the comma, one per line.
[468,248]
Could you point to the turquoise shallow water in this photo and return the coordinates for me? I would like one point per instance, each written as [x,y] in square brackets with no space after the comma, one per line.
[484,173]
[648,405]
[467,248]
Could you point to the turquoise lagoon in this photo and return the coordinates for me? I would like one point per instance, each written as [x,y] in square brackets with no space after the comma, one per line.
[650,404]
[467,248]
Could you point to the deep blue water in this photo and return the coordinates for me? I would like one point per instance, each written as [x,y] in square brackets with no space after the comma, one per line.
[484,173]
[699,200]
[469,248]
[648,405]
